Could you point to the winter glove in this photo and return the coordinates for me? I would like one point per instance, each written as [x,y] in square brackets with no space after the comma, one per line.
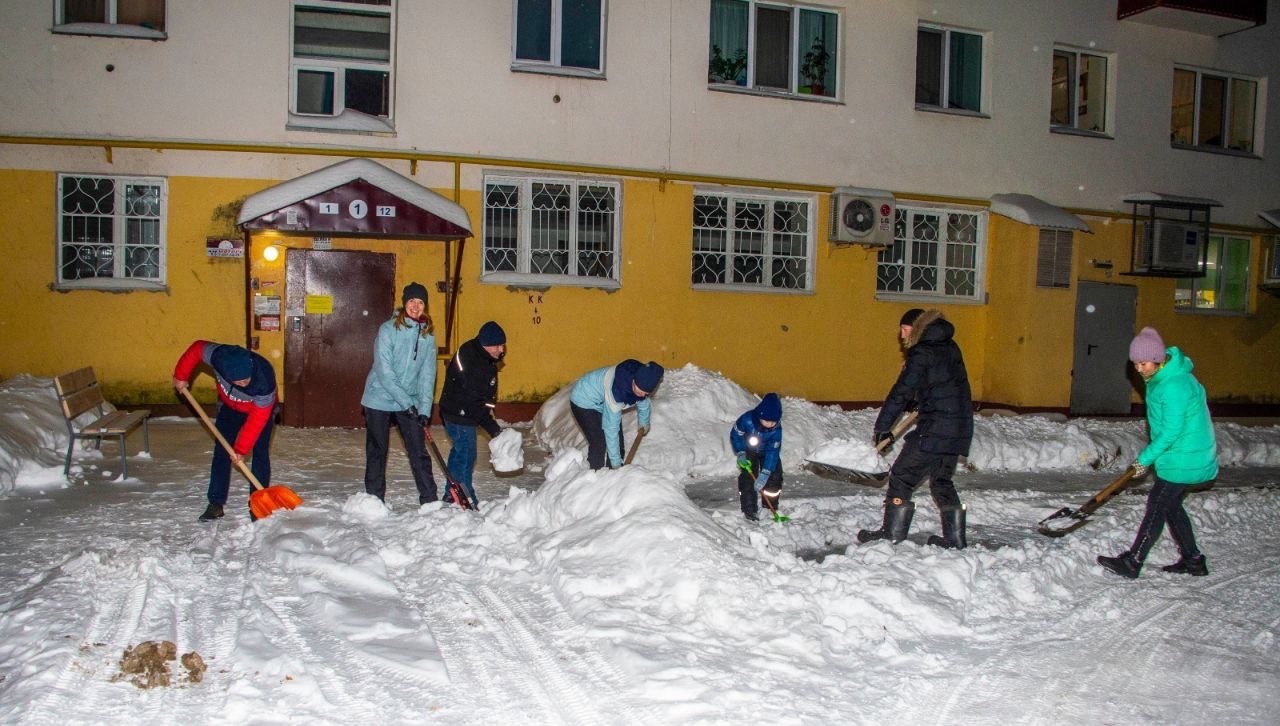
[743,463]
[762,479]
[1140,470]
[883,436]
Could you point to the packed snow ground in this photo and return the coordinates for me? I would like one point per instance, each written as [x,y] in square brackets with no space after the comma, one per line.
[631,596]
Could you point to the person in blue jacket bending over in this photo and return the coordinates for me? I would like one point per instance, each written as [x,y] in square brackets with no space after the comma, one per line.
[598,400]
[757,442]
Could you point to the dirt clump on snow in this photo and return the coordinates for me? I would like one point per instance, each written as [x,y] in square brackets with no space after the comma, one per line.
[146,665]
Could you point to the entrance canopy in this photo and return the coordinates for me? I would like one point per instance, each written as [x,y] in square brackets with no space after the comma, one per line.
[1035,212]
[357,197]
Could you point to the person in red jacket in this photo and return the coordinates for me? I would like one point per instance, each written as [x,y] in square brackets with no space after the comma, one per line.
[246,412]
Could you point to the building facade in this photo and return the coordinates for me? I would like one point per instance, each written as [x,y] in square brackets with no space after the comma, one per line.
[755,188]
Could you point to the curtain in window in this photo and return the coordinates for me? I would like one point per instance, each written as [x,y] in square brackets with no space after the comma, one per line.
[533,30]
[819,53]
[145,13]
[928,67]
[84,11]
[1182,112]
[580,34]
[1061,87]
[1243,99]
[727,51]
[1213,94]
[964,82]
[1091,103]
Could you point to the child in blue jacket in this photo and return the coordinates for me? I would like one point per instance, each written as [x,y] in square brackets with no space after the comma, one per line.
[757,442]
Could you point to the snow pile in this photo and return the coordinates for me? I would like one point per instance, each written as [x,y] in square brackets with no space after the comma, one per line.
[505,451]
[33,434]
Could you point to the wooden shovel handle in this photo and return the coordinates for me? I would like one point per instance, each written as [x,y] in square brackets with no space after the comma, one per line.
[904,422]
[631,454]
[186,393]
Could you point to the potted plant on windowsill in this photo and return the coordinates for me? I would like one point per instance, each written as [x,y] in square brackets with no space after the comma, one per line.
[813,70]
[731,70]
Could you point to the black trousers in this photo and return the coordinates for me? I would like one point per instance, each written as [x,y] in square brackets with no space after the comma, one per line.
[913,466]
[591,422]
[1164,505]
[377,426]
[747,496]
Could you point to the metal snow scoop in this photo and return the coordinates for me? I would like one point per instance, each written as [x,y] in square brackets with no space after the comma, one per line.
[1077,518]
[868,478]
[263,500]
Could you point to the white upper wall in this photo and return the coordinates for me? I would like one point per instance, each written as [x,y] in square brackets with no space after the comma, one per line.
[223,75]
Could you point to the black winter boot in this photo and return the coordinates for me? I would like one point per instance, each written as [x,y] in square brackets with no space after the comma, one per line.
[897,521]
[212,512]
[1123,564]
[953,524]
[1195,566]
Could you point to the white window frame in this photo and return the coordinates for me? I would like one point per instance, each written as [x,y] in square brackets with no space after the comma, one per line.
[944,101]
[119,237]
[1258,103]
[902,254]
[810,237]
[798,50]
[523,274]
[342,117]
[1185,294]
[554,66]
[110,27]
[1108,92]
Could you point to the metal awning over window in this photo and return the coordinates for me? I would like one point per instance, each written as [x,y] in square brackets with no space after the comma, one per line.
[355,197]
[1272,216]
[1036,212]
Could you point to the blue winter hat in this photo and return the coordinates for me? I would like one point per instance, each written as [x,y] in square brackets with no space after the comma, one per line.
[770,408]
[648,376]
[233,362]
[492,334]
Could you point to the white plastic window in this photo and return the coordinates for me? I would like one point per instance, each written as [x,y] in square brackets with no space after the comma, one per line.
[111,231]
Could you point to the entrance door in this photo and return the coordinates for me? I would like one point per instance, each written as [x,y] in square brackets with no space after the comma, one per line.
[1105,315]
[334,303]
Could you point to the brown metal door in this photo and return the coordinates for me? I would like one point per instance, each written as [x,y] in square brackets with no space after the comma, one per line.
[334,302]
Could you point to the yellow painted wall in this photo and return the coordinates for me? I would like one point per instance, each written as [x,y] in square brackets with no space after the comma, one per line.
[838,343]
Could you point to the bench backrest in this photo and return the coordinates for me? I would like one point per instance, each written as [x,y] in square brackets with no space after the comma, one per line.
[78,392]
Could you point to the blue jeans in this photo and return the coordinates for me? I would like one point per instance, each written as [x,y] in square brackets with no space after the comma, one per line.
[462,456]
[228,421]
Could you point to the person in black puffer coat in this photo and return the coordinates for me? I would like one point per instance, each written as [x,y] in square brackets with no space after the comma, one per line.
[934,378]
[468,398]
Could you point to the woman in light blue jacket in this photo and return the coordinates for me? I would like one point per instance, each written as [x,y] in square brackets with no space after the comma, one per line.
[400,388]
[600,397]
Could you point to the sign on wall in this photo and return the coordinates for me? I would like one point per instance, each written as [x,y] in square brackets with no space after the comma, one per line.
[226,247]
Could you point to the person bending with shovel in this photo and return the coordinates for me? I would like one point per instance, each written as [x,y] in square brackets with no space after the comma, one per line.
[756,438]
[598,399]
[934,377]
[246,413]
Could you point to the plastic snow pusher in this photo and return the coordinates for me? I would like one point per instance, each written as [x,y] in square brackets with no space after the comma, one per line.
[263,500]
[1077,518]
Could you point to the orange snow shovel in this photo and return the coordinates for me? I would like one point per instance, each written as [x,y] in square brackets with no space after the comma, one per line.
[262,500]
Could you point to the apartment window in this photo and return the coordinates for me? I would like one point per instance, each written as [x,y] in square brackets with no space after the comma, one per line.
[342,64]
[948,68]
[111,231]
[752,242]
[1225,285]
[1213,110]
[773,47]
[559,230]
[1053,258]
[121,18]
[560,35]
[936,253]
[1078,91]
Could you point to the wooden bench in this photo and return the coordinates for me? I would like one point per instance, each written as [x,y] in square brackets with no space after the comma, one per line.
[78,392]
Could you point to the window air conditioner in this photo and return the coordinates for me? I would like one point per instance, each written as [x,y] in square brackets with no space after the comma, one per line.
[862,216]
[1172,246]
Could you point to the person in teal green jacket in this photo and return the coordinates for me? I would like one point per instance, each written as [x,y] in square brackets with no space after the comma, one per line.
[1183,453]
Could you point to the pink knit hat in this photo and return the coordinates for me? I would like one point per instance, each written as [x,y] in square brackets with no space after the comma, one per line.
[1147,346]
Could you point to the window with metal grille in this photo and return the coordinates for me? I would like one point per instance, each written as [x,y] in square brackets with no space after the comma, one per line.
[117,18]
[563,231]
[752,241]
[948,68]
[111,231]
[560,36]
[774,47]
[342,64]
[936,253]
[1053,258]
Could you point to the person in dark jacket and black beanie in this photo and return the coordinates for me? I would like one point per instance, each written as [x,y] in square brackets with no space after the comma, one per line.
[934,378]
[468,399]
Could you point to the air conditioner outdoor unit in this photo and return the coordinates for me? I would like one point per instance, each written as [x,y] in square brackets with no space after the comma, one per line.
[1172,246]
[862,216]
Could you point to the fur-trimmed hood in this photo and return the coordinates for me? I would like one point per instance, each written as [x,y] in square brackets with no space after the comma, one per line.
[932,322]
